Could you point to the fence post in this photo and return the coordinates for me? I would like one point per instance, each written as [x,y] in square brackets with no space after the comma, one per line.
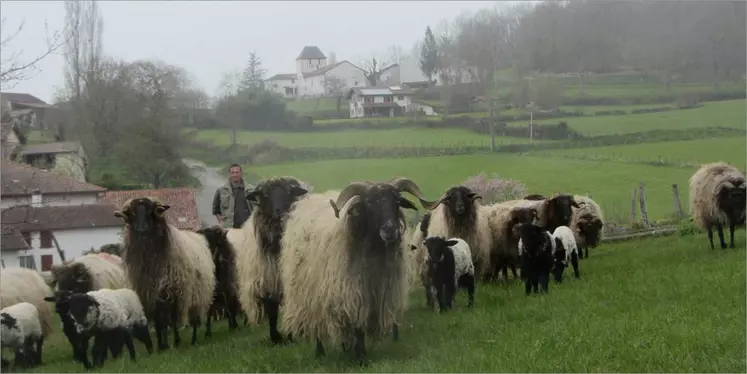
[644,211]
[633,205]
[677,203]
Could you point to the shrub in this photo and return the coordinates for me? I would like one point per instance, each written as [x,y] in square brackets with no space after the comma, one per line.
[494,189]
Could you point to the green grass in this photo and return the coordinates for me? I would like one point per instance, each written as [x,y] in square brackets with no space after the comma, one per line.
[405,137]
[719,113]
[731,150]
[310,106]
[667,304]
[610,184]
[37,137]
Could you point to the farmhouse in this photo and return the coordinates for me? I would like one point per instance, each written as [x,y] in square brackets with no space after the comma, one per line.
[383,102]
[183,201]
[61,157]
[314,76]
[43,211]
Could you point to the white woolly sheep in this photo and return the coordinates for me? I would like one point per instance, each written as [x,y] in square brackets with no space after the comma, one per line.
[258,261]
[171,270]
[565,250]
[717,199]
[18,285]
[587,224]
[345,279]
[21,330]
[450,267]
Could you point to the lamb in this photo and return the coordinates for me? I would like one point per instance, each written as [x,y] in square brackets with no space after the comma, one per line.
[225,295]
[461,216]
[347,278]
[717,198]
[536,248]
[20,329]
[171,270]
[105,314]
[587,224]
[18,285]
[565,250]
[257,264]
[449,267]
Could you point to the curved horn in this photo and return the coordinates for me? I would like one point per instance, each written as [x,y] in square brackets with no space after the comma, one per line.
[407,185]
[728,185]
[335,208]
[352,189]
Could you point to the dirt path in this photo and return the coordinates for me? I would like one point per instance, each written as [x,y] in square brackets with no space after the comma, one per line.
[211,179]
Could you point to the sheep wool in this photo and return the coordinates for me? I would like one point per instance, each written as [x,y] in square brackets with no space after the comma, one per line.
[90,272]
[480,238]
[131,305]
[18,285]
[462,259]
[111,315]
[587,208]
[322,297]
[19,322]
[705,186]
[566,236]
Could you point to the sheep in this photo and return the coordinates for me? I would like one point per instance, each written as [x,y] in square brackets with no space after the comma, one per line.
[236,238]
[461,216]
[345,279]
[503,221]
[18,285]
[552,212]
[105,315]
[450,266]
[257,263]
[226,286]
[565,250]
[20,329]
[536,248]
[419,257]
[171,270]
[534,197]
[717,198]
[587,224]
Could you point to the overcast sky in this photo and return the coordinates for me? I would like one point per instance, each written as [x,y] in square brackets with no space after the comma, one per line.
[210,38]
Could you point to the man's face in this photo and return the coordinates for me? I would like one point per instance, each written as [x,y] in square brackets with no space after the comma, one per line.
[235,174]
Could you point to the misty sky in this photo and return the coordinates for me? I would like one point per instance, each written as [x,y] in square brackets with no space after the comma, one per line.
[210,38]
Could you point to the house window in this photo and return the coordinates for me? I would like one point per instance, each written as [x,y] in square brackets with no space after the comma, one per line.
[45,239]
[26,262]
[46,262]
[388,98]
[400,97]
[368,99]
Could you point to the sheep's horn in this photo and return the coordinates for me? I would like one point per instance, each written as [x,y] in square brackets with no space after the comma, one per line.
[407,185]
[335,208]
[728,185]
[352,189]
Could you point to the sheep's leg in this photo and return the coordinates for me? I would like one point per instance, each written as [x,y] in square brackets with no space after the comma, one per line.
[360,347]
[175,323]
[114,345]
[209,323]
[731,233]
[194,321]
[100,342]
[428,297]
[720,229]
[142,334]
[246,318]
[469,282]
[39,343]
[544,282]
[558,272]
[574,263]
[271,309]
[128,342]
[233,311]
[513,271]
[710,235]
[161,337]
[319,351]
[395,332]
[586,248]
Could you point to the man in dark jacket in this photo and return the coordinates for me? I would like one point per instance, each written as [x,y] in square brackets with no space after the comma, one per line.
[229,204]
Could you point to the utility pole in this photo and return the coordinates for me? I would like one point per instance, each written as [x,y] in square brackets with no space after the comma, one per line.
[492,123]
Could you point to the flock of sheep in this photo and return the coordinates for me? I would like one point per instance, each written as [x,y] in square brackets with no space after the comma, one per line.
[338,263]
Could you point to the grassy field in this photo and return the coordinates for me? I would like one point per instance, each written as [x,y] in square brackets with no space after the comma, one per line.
[405,137]
[666,304]
[731,150]
[718,113]
[610,184]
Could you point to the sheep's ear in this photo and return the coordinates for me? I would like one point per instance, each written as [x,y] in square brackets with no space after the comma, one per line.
[406,204]
[452,242]
[119,214]
[253,196]
[50,298]
[162,208]
[298,191]
[574,203]
[413,247]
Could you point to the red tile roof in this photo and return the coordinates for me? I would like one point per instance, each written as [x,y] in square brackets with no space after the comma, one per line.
[20,180]
[26,218]
[183,201]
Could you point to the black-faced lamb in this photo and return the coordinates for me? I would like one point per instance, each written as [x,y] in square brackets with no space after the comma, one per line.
[450,267]
[257,262]
[20,330]
[565,250]
[717,199]
[226,294]
[536,248]
[346,279]
[458,214]
[171,270]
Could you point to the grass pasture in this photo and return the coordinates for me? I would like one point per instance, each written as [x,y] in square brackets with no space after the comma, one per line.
[667,304]
[610,184]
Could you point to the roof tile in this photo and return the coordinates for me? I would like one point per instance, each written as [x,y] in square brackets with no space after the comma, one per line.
[20,180]
[65,217]
[183,201]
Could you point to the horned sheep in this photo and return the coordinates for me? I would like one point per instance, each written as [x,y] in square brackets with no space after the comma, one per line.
[347,278]
[717,199]
[20,329]
[18,285]
[587,224]
[449,267]
[171,270]
[258,261]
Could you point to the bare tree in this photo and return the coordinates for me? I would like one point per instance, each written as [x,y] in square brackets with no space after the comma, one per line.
[372,69]
[13,67]
[335,86]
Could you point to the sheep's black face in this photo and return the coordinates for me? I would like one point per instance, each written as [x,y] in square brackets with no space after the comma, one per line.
[141,214]
[214,235]
[377,213]
[84,311]
[275,197]
[590,227]
[8,321]
[61,301]
[459,200]
[732,200]
[533,238]
[436,246]
[73,277]
[562,208]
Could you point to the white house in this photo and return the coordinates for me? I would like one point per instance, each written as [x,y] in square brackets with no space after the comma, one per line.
[42,210]
[314,76]
[380,101]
